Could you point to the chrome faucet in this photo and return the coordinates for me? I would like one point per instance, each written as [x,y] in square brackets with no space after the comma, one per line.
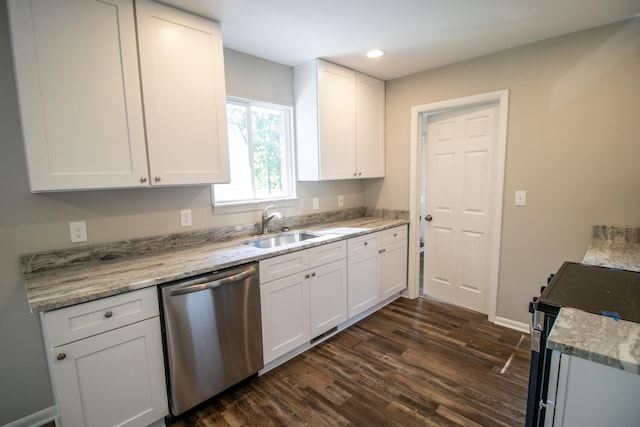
[267,217]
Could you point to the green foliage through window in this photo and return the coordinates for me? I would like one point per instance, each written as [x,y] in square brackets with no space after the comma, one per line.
[259,152]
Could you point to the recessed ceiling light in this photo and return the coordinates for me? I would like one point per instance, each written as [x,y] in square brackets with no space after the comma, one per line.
[375,53]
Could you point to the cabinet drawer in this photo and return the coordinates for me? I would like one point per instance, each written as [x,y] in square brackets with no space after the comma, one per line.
[84,320]
[362,244]
[283,265]
[325,254]
[393,235]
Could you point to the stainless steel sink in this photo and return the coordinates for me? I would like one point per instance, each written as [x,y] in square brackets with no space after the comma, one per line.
[282,239]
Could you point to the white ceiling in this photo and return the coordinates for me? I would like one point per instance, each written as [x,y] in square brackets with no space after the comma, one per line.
[416,34]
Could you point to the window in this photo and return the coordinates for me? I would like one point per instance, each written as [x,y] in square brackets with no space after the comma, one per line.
[260,153]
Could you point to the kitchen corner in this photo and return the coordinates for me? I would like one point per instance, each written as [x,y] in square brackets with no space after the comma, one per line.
[602,339]
[595,363]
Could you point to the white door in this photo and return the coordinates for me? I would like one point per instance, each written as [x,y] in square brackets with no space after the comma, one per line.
[460,159]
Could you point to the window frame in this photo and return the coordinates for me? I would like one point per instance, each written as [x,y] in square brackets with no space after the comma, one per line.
[289,161]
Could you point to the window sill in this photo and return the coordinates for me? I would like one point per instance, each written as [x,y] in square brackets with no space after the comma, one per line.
[254,205]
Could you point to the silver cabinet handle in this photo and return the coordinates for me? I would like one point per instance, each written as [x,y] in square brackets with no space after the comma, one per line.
[428,218]
[306,276]
[366,243]
[61,356]
[211,282]
[143,179]
[108,314]
[158,178]
[313,274]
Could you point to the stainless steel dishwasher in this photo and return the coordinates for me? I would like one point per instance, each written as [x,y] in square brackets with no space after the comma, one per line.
[212,333]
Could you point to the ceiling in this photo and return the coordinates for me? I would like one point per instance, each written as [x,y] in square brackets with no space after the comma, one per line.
[416,34]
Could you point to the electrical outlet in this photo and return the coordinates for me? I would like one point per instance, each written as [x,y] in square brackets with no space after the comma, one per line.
[185,218]
[316,203]
[78,231]
[340,200]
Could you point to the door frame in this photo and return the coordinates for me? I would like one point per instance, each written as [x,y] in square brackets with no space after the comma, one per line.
[417,112]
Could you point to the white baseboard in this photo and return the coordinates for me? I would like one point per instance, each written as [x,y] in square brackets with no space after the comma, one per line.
[512,324]
[38,419]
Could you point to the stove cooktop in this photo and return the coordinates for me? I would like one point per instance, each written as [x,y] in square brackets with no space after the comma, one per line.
[601,290]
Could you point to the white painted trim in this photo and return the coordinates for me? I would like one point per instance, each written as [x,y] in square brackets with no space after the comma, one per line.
[37,419]
[502,97]
[512,324]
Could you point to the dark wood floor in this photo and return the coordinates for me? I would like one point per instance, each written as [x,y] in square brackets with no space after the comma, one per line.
[413,363]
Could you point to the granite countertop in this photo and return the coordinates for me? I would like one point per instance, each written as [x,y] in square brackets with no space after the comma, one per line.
[614,246]
[59,279]
[599,338]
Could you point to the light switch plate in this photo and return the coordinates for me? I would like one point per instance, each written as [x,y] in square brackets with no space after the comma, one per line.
[521,198]
[316,204]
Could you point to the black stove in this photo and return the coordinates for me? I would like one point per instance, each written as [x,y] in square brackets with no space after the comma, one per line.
[600,290]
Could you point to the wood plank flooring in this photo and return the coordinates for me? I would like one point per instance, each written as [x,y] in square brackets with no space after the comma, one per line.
[413,363]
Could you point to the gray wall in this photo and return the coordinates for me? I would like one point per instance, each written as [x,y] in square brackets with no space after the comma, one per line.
[39,222]
[573,143]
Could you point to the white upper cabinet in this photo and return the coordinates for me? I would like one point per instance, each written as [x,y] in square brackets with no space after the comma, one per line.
[77,74]
[78,79]
[339,123]
[181,63]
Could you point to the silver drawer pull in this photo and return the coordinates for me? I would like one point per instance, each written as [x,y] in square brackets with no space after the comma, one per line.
[61,356]
[108,314]
[366,243]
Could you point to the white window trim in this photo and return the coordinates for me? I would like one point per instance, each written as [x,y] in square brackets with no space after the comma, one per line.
[255,205]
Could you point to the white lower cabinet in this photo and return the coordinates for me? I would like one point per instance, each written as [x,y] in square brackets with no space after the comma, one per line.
[393,262]
[587,393]
[303,294]
[364,273]
[285,315]
[105,373]
[377,268]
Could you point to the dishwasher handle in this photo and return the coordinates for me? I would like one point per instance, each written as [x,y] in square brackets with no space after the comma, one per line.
[211,282]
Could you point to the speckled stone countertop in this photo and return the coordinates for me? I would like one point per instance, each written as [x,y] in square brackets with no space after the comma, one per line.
[598,338]
[61,278]
[614,246]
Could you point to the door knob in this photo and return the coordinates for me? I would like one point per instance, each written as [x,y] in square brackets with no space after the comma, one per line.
[428,218]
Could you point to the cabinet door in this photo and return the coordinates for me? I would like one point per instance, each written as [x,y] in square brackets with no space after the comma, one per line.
[285,315]
[114,378]
[370,98]
[182,71]
[78,85]
[328,296]
[364,280]
[337,115]
[393,269]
